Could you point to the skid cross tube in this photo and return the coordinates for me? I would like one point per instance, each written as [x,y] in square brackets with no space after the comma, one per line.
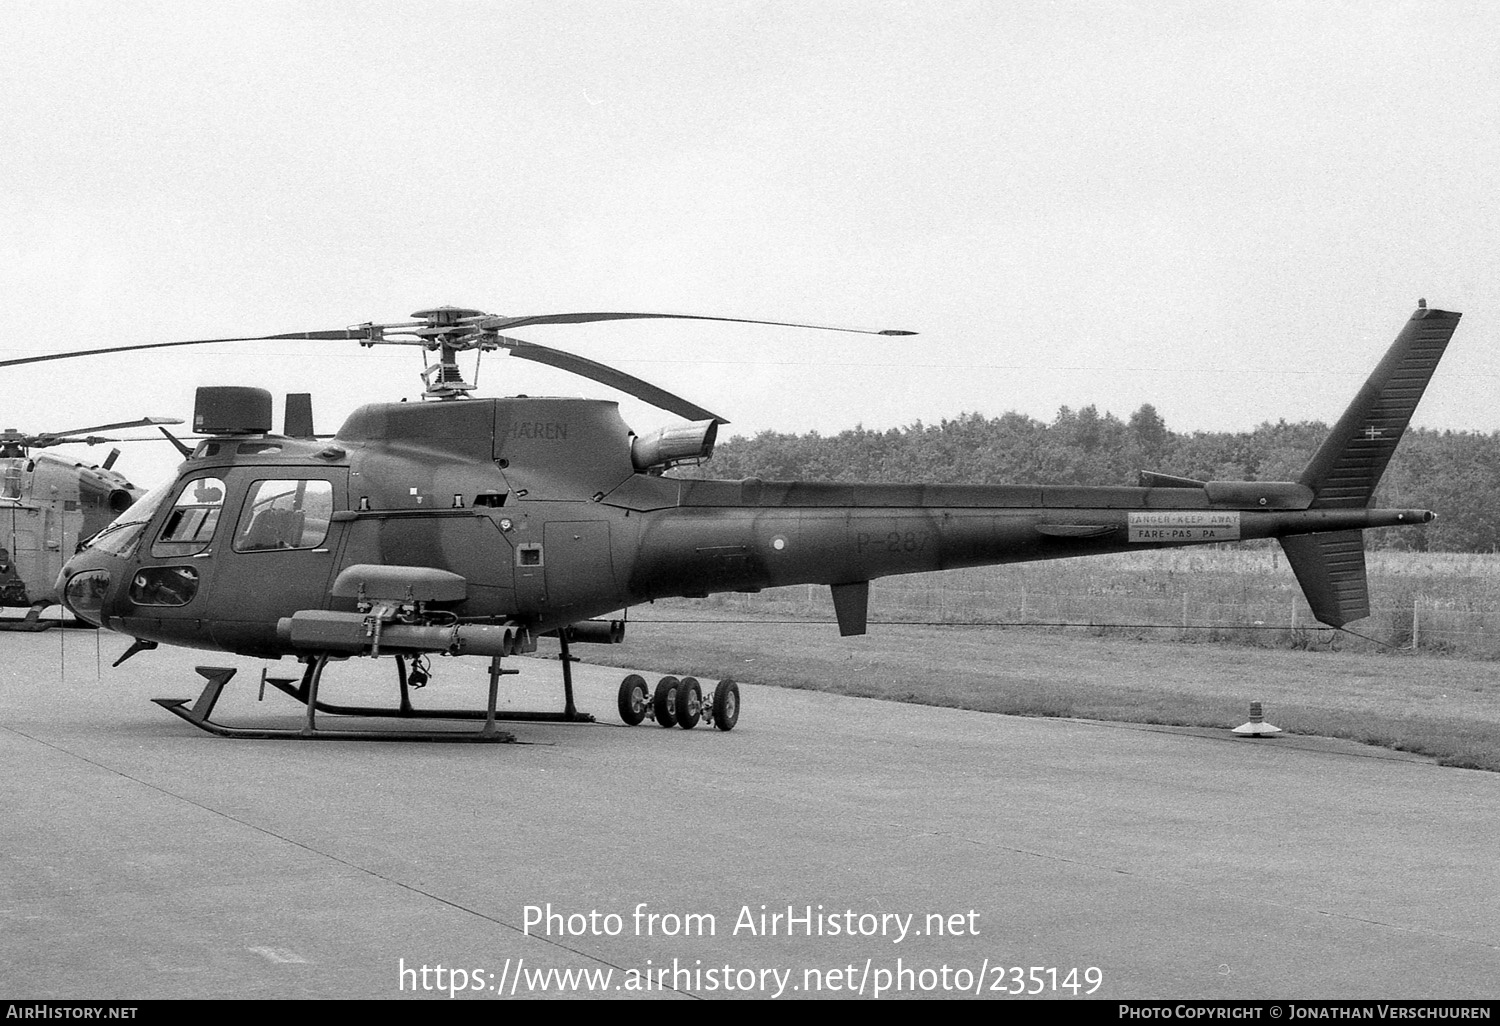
[569,715]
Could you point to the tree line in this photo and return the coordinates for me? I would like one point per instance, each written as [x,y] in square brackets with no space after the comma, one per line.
[1455,473]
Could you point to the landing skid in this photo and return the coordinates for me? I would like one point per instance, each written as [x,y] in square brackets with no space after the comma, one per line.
[570,714]
[31,622]
[307,692]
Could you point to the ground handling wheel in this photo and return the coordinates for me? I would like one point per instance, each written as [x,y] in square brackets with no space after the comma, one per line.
[635,699]
[665,702]
[726,707]
[689,703]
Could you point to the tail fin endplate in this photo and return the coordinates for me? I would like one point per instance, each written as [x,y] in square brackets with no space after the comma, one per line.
[1343,474]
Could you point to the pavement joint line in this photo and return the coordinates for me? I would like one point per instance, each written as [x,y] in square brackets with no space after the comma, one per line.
[1164,881]
[1198,731]
[1168,882]
[1148,728]
[330,856]
[1377,752]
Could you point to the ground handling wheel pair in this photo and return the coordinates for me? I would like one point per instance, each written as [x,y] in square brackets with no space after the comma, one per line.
[679,703]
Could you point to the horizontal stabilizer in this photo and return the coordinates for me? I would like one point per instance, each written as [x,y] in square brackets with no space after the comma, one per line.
[1331,569]
[1348,466]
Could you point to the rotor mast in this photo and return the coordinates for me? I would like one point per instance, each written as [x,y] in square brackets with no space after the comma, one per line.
[449,330]
[446,330]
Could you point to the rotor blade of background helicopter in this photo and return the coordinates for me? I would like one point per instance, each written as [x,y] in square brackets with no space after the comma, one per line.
[339,334]
[498,323]
[150,439]
[73,440]
[584,367]
[140,422]
[186,450]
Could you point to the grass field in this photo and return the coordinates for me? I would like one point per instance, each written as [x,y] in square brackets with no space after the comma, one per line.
[1429,682]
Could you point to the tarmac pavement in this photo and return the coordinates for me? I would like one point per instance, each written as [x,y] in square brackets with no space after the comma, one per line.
[909,851]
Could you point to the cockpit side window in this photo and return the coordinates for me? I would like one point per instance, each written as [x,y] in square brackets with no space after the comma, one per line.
[189,527]
[284,515]
[10,477]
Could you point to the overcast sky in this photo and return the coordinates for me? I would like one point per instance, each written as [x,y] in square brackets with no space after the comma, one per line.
[1226,210]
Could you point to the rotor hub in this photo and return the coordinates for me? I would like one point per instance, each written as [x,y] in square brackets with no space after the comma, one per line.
[450,326]
[440,315]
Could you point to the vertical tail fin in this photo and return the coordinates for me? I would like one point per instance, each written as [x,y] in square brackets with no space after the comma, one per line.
[1343,473]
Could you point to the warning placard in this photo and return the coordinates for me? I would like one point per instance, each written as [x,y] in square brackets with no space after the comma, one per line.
[1183,526]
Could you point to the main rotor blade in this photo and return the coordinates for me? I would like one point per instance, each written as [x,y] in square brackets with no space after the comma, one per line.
[496,323]
[499,323]
[630,385]
[338,334]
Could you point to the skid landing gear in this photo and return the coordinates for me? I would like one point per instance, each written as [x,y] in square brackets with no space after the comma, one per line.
[678,703]
[31,622]
[306,692]
[417,678]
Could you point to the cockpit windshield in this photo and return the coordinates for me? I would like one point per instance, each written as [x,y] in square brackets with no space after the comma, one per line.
[120,537]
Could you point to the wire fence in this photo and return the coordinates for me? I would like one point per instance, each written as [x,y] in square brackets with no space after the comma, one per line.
[1432,602]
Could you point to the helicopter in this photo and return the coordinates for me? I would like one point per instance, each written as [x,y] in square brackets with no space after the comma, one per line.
[48,504]
[464,526]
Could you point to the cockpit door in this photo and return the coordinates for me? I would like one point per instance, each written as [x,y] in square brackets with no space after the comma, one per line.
[274,554]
